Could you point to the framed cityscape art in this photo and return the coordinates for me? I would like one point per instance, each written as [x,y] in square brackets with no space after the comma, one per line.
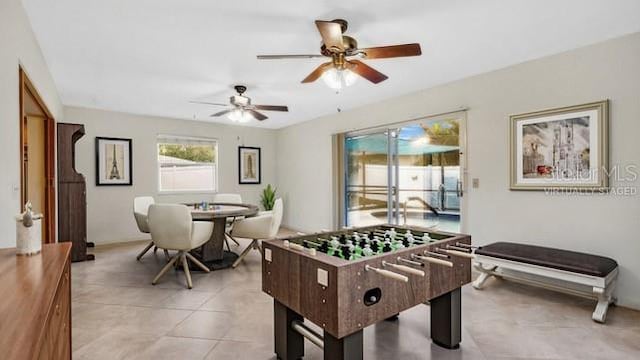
[564,148]
[113,161]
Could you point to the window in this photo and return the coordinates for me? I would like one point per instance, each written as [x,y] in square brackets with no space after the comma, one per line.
[187,164]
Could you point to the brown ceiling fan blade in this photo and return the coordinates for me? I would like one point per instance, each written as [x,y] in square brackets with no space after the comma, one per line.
[220,113]
[256,114]
[393,51]
[271,107]
[298,56]
[366,71]
[331,33]
[315,75]
[207,103]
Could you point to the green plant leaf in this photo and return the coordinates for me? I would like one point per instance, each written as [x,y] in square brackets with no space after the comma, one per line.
[268,197]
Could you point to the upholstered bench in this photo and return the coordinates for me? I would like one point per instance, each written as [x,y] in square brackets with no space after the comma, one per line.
[562,270]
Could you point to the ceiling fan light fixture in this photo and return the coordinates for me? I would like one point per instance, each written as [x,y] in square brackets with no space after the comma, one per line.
[338,79]
[240,116]
[240,100]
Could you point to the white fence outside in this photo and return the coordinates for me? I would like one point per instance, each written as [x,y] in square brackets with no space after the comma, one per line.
[188,178]
[413,180]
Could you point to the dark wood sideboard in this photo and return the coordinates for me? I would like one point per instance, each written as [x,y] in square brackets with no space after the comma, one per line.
[72,193]
[35,310]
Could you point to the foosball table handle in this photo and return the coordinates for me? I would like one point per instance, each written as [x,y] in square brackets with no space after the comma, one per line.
[439,261]
[404,268]
[433,260]
[299,247]
[460,254]
[387,273]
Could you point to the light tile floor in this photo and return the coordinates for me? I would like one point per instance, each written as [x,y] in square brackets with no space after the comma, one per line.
[118,314]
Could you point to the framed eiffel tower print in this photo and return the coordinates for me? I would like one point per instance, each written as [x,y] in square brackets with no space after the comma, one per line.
[249,165]
[113,161]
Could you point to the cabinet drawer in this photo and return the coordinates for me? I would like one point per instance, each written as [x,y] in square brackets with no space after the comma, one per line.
[58,331]
[60,302]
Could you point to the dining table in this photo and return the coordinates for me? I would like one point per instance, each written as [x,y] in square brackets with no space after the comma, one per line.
[212,253]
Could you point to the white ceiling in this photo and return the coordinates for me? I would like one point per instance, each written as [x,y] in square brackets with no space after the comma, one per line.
[153,56]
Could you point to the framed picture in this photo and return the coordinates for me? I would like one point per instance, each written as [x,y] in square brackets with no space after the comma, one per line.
[113,161]
[249,165]
[565,148]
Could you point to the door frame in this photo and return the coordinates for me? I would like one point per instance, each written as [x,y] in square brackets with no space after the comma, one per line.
[26,88]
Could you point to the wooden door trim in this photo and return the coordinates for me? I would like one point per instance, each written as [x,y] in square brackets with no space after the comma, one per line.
[26,88]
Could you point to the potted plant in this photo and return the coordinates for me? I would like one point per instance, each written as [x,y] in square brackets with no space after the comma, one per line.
[268,197]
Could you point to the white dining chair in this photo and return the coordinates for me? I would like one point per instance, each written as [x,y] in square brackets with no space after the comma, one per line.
[172,228]
[140,211]
[258,228]
[228,199]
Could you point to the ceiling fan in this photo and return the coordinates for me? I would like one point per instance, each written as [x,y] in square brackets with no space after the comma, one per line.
[241,109]
[343,70]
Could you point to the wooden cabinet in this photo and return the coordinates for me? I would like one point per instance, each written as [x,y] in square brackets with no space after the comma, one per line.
[35,312]
[72,193]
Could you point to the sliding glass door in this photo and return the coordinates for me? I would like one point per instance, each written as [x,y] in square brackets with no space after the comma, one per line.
[367,178]
[409,174]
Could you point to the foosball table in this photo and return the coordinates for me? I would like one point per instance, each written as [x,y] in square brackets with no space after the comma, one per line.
[344,281]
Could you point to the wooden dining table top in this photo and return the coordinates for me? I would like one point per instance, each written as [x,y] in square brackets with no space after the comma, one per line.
[223,210]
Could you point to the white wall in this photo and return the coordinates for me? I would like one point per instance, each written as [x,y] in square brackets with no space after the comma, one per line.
[18,46]
[109,208]
[607,225]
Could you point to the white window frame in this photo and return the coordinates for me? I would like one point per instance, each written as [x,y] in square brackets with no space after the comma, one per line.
[164,139]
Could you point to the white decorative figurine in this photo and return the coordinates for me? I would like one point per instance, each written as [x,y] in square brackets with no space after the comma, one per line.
[28,232]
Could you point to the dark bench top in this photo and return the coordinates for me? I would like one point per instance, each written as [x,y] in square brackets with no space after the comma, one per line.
[572,261]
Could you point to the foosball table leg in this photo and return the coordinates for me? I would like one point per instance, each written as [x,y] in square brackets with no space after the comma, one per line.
[392,318]
[446,319]
[289,344]
[347,348]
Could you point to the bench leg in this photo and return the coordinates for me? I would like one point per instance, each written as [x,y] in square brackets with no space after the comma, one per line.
[604,300]
[485,274]
[479,282]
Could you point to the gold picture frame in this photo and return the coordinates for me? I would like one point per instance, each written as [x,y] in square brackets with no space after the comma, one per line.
[560,149]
